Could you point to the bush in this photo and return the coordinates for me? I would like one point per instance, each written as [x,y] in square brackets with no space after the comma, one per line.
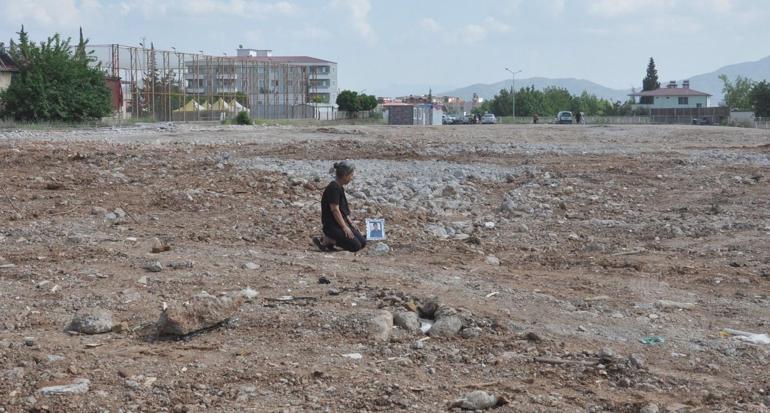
[243,118]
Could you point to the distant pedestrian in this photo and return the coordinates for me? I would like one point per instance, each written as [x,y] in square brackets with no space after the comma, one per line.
[579,117]
[535,118]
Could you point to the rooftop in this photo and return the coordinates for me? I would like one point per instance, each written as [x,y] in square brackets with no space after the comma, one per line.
[280,59]
[670,91]
[6,64]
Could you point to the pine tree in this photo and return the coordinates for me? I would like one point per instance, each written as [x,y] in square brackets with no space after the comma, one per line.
[651,81]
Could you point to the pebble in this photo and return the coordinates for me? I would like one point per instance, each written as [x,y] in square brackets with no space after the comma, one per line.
[492,260]
[250,266]
[470,332]
[79,386]
[153,266]
[381,249]
[476,400]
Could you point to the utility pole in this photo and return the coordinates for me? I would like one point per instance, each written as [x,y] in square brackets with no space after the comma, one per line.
[513,93]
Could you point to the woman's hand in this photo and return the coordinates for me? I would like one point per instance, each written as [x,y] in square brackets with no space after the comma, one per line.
[348,232]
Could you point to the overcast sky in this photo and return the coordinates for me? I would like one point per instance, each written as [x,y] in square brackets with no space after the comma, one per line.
[401,46]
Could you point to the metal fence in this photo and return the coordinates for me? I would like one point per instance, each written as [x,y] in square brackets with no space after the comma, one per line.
[762,123]
[164,85]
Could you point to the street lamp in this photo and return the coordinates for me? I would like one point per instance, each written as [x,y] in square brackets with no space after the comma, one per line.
[513,93]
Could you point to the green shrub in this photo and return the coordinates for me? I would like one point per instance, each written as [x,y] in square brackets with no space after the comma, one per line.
[243,118]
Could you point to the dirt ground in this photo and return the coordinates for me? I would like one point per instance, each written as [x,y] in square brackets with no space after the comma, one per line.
[611,236]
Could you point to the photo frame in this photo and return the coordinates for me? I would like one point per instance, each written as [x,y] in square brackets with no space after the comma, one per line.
[375,229]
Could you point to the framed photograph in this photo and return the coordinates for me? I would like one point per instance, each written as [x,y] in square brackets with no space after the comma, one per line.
[375,229]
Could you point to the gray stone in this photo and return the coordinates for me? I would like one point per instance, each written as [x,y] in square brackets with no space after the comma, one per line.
[437,231]
[92,321]
[250,266]
[607,355]
[153,266]
[429,308]
[447,326]
[380,249]
[637,360]
[407,320]
[492,260]
[418,345]
[202,311]
[470,332]
[476,400]
[373,324]
[650,408]
[79,386]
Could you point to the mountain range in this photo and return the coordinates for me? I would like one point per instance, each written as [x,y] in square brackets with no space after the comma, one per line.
[706,82]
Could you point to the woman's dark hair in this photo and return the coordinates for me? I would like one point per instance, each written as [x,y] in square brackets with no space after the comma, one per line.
[342,168]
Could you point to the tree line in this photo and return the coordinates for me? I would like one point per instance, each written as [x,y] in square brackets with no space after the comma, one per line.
[746,94]
[551,100]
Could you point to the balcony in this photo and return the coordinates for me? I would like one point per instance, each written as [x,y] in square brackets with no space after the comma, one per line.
[227,90]
[192,76]
[227,76]
[196,90]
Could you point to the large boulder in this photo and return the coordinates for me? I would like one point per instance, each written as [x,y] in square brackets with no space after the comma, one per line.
[407,320]
[202,311]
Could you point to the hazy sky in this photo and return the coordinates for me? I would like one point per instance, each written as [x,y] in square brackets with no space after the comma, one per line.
[401,46]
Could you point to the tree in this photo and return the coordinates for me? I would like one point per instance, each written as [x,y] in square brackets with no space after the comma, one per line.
[760,99]
[650,82]
[53,83]
[347,100]
[367,102]
[737,94]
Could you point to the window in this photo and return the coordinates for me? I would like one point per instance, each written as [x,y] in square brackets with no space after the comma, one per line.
[684,100]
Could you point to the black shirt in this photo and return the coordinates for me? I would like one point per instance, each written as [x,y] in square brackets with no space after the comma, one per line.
[333,194]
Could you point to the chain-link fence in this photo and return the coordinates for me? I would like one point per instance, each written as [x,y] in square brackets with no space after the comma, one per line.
[167,85]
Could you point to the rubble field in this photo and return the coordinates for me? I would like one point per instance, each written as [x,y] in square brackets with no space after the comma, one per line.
[539,268]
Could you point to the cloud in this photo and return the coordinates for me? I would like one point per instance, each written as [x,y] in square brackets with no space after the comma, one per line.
[238,8]
[617,8]
[313,33]
[474,33]
[359,13]
[430,25]
[54,13]
[558,6]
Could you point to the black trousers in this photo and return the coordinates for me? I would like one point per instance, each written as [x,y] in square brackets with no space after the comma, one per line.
[357,243]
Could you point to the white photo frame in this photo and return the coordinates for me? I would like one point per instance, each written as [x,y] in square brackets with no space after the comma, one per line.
[375,229]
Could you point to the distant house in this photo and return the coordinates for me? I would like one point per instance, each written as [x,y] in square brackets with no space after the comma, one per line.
[7,71]
[671,97]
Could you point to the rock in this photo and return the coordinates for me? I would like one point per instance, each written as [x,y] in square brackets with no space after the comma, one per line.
[637,360]
[428,309]
[437,231]
[99,211]
[380,249]
[52,358]
[250,266]
[142,280]
[30,341]
[447,326]
[121,327]
[373,324]
[407,320]
[180,265]
[607,355]
[333,291]
[248,294]
[324,280]
[153,266]
[157,246]
[202,311]
[418,345]
[79,386]
[673,305]
[476,400]
[470,332]
[93,321]
[492,260]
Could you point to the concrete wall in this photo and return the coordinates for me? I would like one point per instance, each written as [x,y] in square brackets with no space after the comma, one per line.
[672,102]
[5,80]
[401,115]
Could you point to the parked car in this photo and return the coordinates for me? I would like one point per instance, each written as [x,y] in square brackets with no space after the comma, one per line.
[706,120]
[463,120]
[488,119]
[564,117]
